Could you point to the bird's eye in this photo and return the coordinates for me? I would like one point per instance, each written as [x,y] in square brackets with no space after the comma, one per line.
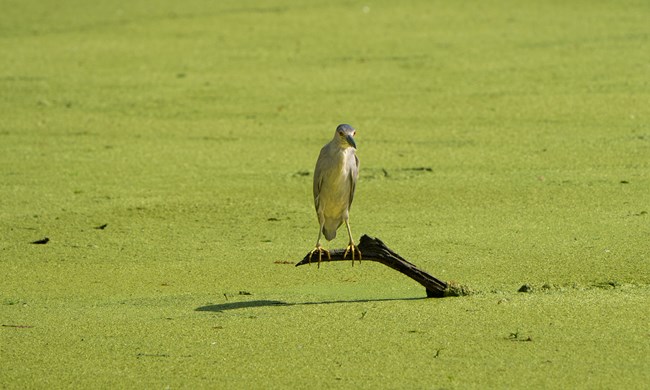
[354,133]
[341,133]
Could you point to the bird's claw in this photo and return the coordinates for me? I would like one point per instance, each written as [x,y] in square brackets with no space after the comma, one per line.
[352,248]
[320,251]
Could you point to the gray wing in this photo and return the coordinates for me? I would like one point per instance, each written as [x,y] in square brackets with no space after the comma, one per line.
[354,175]
[318,178]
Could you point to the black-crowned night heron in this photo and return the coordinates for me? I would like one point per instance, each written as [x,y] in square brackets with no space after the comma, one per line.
[335,179]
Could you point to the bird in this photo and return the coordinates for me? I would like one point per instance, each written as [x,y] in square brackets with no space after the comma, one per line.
[335,180]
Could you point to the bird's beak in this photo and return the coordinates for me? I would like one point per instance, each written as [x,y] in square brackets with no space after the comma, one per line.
[351,141]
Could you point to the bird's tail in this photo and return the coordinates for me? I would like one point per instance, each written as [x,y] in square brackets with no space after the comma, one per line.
[329,231]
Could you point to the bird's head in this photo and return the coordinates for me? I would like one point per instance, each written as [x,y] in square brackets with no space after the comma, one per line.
[345,136]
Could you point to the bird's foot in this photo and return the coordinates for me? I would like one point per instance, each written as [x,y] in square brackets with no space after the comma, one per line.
[352,249]
[320,251]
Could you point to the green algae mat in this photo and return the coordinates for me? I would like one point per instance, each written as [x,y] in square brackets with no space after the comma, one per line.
[155,193]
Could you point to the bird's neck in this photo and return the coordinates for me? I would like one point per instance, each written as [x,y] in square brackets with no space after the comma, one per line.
[336,146]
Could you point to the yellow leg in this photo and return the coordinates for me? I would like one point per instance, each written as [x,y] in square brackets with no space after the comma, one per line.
[351,247]
[320,251]
[319,248]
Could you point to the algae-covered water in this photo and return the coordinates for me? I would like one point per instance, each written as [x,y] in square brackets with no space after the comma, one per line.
[165,151]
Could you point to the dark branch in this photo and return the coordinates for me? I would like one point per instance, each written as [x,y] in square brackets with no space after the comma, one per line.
[373,249]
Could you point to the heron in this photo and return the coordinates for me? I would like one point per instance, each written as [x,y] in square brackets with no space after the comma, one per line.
[335,179]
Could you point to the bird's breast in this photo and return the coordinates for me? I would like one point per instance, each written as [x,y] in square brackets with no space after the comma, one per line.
[336,184]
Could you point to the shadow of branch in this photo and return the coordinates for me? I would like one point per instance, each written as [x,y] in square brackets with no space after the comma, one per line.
[240,305]
[266,303]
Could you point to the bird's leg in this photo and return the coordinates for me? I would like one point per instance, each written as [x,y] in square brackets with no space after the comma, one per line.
[351,247]
[319,248]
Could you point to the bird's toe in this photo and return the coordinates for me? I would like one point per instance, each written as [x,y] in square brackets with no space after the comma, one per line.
[354,251]
[320,251]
